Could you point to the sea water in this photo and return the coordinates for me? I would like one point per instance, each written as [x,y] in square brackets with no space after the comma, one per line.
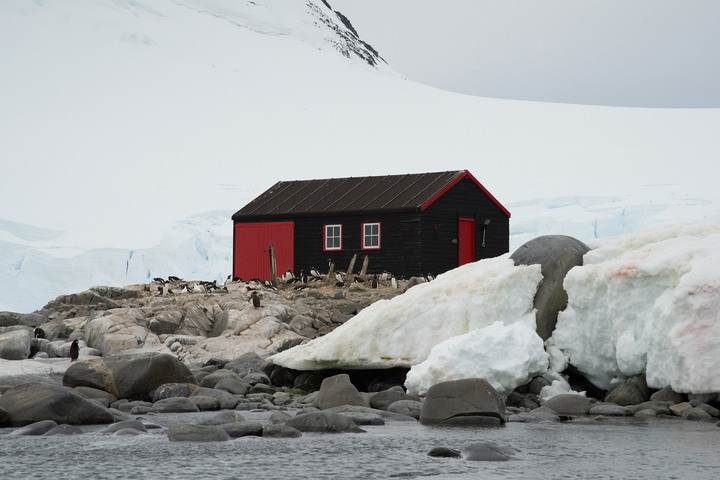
[617,448]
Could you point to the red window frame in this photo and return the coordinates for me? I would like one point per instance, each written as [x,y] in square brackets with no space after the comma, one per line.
[325,237]
[379,236]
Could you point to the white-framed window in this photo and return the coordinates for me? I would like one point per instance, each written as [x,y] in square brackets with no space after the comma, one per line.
[333,237]
[370,236]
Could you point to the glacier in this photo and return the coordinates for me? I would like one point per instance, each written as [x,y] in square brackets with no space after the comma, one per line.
[643,303]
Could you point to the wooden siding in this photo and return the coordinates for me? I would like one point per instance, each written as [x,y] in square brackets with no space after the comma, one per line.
[399,240]
[440,227]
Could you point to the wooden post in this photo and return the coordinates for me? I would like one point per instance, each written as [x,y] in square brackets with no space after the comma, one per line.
[273,266]
[363,271]
[352,265]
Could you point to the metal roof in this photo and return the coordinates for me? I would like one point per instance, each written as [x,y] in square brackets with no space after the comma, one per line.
[353,195]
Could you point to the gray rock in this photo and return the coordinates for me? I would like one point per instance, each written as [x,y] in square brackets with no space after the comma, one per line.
[92,373]
[233,385]
[169,390]
[126,407]
[278,418]
[411,408]
[444,452]
[697,414]
[261,388]
[204,403]
[253,378]
[708,408]
[129,431]
[556,254]
[365,418]
[226,417]
[225,400]
[487,452]
[667,394]
[15,344]
[323,421]
[35,429]
[633,391]
[127,424]
[568,404]
[30,403]
[213,378]
[280,431]
[182,432]
[32,319]
[646,412]
[609,410]
[137,377]
[248,362]
[467,401]
[661,408]
[242,429]
[105,398]
[63,429]
[385,415]
[175,405]
[383,400]
[338,390]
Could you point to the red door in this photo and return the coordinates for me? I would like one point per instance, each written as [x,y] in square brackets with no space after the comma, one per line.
[466,241]
[252,248]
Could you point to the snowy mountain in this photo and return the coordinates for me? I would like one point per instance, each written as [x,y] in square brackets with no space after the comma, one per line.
[131,130]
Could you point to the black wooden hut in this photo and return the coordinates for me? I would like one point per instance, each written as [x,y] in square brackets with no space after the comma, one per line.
[415,224]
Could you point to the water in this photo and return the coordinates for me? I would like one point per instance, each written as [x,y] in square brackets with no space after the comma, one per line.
[615,449]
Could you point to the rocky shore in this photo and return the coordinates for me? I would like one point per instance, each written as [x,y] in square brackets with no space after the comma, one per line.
[172,348]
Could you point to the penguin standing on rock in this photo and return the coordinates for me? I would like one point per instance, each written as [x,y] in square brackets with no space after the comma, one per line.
[74,350]
[255,300]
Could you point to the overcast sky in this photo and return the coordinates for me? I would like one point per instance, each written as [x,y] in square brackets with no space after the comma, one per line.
[650,53]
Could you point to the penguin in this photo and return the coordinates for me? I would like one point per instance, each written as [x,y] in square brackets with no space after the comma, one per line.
[39,333]
[74,351]
[173,278]
[374,281]
[393,282]
[255,299]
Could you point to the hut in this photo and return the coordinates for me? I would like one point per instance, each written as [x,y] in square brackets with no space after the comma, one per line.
[409,225]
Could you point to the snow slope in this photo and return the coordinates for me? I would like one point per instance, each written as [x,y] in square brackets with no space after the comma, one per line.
[130,131]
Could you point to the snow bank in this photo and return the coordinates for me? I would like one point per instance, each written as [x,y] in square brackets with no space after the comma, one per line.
[402,331]
[505,356]
[648,301]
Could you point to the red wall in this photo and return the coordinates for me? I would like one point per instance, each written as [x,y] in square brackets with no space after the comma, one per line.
[252,247]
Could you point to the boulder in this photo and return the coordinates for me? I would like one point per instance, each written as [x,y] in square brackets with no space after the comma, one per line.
[225,417]
[90,373]
[233,385]
[246,363]
[213,378]
[63,429]
[323,421]
[204,403]
[609,410]
[33,402]
[182,432]
[633,391]
[175,405]
[127,424]
[383,400]
[667,394]
[169,390]
[444,452]
[225,401]
[280,431]
[467,401]
[15,344]
[35,429]
[487,452]
[556,254]
[100,396]
[568,404]
[242,429]
[138,377]
[411,408]
[338,390]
